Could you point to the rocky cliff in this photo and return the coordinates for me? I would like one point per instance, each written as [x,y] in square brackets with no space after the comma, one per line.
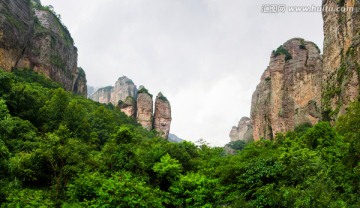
[300,86]
[124,87]
[138,103]
[162,116]
[289,92]
[341,57]
[243,131]
[128,106]
[102,95]
[33,37]
[145,109]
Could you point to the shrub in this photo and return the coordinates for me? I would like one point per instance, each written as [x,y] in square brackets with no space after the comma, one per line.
[282,51]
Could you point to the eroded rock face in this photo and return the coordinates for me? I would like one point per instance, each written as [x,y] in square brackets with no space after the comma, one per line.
[162,117]
[129,107]
[102,95]
[32,37]
[123,88]
[80,86]
[341,57]
[289,92]
[243,131]
[145,110]
[15,31]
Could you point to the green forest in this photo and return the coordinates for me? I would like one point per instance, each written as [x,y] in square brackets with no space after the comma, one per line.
[62,150]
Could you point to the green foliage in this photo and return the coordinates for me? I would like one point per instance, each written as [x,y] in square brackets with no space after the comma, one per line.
[122,189]
[57,61]
[3,110]
[61,150]
[282,51]
[194,190]
[237,145]
[29,198]
[6,80]
[167,170]
[162,97]
[29,76]
[302,128]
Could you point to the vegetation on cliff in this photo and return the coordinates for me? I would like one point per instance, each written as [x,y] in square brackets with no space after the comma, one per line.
[62,150]
[282,51]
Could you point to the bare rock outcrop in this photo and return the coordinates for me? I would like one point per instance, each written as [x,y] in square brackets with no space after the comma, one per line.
[138,103]
[128,106]
[289,92]
[243,131]
[162,116]
[16,27]
[145,108]
[341,56]
[102,95]
[33,37]
[123,88]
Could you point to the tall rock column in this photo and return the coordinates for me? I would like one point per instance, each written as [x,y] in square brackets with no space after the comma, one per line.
[145,108]
[162,117]
[289,92]
[341,56]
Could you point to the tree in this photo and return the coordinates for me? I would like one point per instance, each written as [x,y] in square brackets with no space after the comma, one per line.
[167,171]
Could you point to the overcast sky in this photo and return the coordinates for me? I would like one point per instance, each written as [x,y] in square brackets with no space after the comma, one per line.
[206,56]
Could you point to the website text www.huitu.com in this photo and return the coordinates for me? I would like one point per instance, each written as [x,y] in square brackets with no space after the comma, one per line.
[283,8]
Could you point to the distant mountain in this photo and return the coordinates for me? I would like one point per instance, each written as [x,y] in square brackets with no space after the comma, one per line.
[91,90]
[174,138]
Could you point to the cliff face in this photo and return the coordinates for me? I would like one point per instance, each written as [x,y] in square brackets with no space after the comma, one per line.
[289,92]
[32,36]
[16,26]
[80,86]
[124,88]
[145,110]
[341,57]
[102,95]
[162,117]
[243,131]
[129,107]
[138,104]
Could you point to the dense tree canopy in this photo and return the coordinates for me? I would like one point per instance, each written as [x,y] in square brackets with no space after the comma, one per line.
[62,150]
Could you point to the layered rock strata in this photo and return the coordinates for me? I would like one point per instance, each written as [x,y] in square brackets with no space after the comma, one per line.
[33,37]
[145,110]
[162,116]
[341,56]
[138,103]
[290,90]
